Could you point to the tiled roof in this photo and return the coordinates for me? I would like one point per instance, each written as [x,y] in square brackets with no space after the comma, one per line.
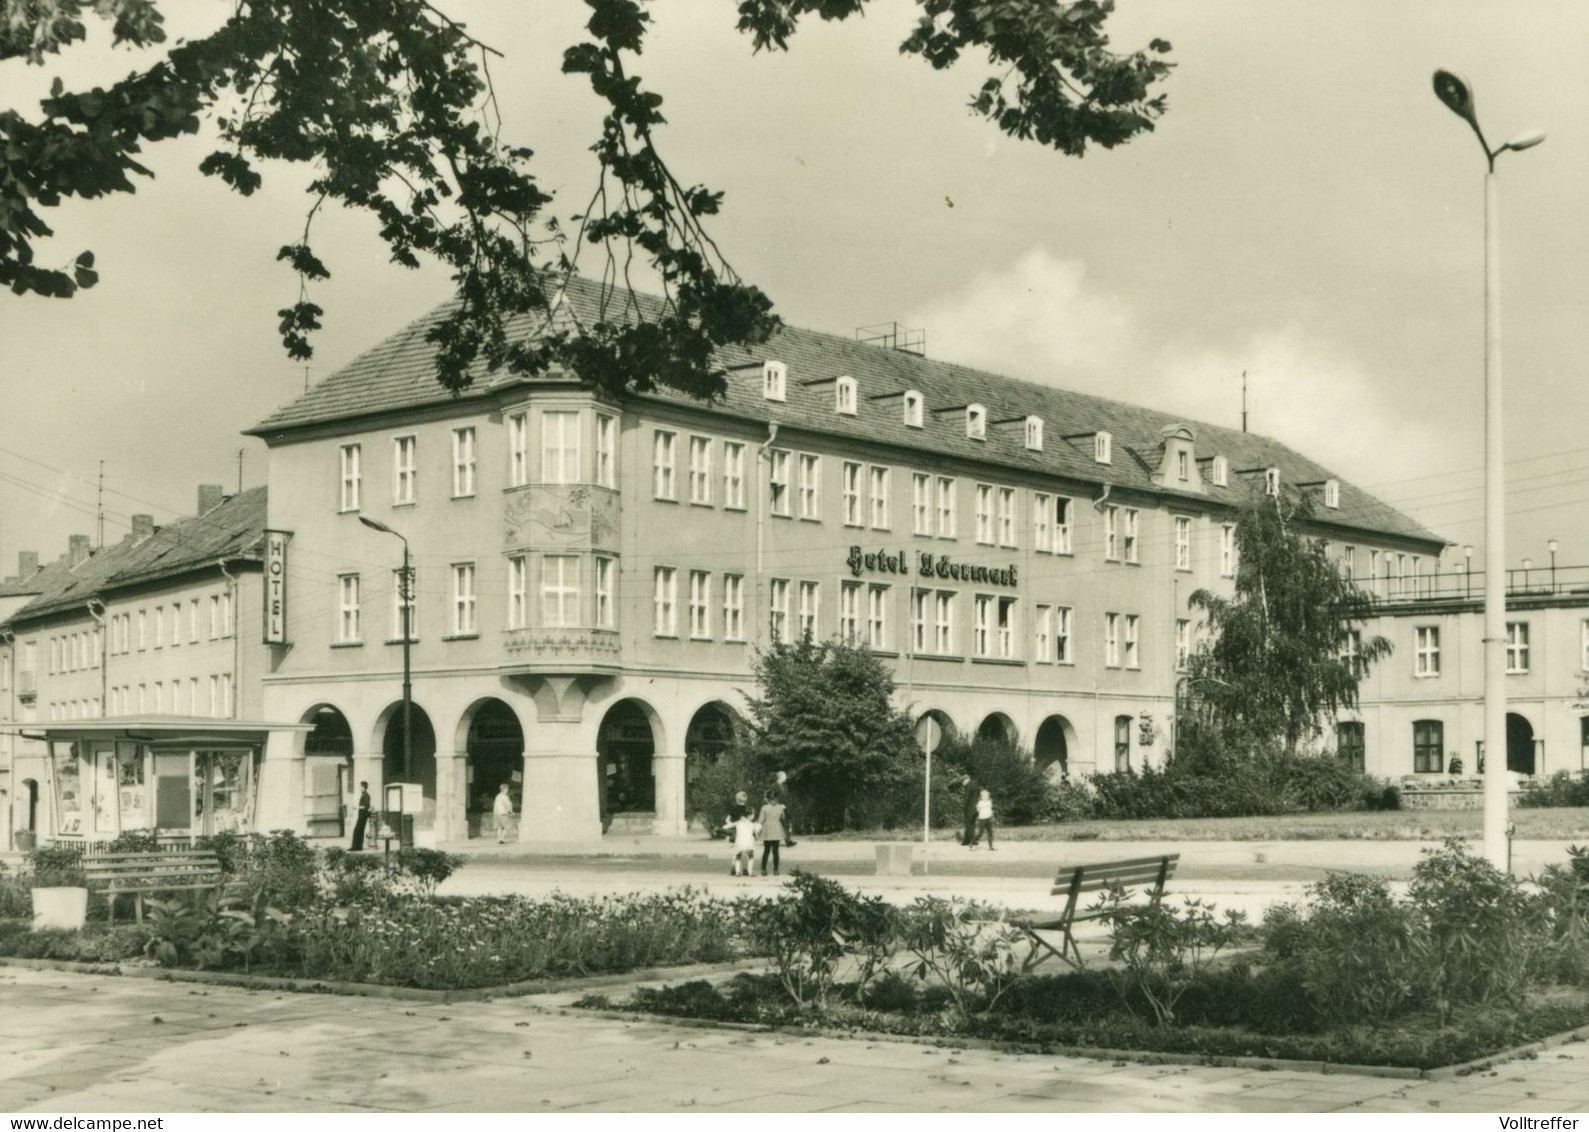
[230,531]
[399,374]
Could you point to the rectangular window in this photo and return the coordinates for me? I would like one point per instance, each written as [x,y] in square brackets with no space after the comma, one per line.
[985,514]
[226,693]
[700,605]
[1007,516]
[1062,634]
[701,469]
[1122,742]
[944,622]
[405,468]
[1227,550]
[405,623]
[1129,534]
[226,614]
[348,608]
[733,607]
[1349,562]
[215,695]
[733,475]
[606,450]
[176,624]
[877,616]
[946,507]
[159,626]
[352,477]
[664,445]
[215,616]
[1517,646]
[518,449]
[1183,644]
[463,461]
[1007,635]
[1350,745]
[1062,524]
[1111,640]
[518,588]
[1426,655]
[778,608]
[1183,543]
[1352,652]
[920,503]
[778,482]
[1133,658]
[1111,533]
[560,591]
[850,480]
[849,611]
[560,446]
[920,605]
[879,485]
[1043,634]
[810,609]
[1042,522]
[982,625]
[810,486]
[1428,746]
[664,602]
[193,626]
[604,608]
[463,599]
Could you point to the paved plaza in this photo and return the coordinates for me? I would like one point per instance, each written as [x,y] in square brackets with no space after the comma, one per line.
[74,1043]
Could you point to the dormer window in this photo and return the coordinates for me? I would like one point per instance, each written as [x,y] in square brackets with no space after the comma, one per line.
[774,381]
[1271,481]
[1102,448]
[1183,465]
[844,396]
[976,422]
[1332,494]
[913,408]
[1034,434]
[1221,472]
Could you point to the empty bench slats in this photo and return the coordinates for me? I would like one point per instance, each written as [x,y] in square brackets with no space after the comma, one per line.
[164,870]
[1072,883]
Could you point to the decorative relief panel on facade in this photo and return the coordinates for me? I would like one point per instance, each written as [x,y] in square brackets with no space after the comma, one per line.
[561,517]
[529,645]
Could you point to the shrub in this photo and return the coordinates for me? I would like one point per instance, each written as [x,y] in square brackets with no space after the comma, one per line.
[1324,783]
[709,795]
[1564,902]
[275,871]
[56,866]
[1019,787]
[1067,801]
[1356,950]
[96,943]
[1482,931]
[1162,950]
[425,868]
[1563,788]
[16,901]
[966,944]
[806,934]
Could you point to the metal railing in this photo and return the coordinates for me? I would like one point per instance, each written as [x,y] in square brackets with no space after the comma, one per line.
[1461,585]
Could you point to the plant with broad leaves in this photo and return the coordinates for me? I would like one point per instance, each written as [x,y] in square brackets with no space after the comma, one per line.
[1162,951]
[966,945]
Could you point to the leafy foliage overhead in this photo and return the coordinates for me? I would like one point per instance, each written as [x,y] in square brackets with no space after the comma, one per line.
[391,103]
[1285,650]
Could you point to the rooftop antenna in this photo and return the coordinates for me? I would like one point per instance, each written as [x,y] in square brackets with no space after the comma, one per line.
[1243,400]
[239,471]
[99,506]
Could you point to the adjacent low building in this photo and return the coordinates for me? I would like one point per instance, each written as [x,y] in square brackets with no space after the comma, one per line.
[592,574]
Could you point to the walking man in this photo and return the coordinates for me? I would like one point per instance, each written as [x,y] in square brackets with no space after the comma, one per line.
[501,811]
[364,816]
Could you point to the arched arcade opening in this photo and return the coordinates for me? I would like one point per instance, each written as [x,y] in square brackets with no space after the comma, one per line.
[1051,749]
[328,780]
[626,746]
[494,751]
[418,765]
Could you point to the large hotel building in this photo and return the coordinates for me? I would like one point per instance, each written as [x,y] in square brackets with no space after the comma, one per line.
[591,574]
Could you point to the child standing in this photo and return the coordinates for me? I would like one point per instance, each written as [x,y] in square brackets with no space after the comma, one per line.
[743,834]
[984,819]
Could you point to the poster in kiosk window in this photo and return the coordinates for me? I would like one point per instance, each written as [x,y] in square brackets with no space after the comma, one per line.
[275,619]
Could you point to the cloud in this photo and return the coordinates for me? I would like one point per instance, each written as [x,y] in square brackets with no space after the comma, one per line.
[1039,319]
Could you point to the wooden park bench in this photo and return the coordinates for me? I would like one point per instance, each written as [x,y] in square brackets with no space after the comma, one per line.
[159,870]
[1073,883]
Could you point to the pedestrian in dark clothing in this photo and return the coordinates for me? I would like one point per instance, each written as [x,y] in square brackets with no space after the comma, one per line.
[364,816]
[968,836]
[772,832]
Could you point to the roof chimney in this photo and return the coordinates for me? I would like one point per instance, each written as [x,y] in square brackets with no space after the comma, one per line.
[27,564]
[142,527]
[77,550]
[211,496]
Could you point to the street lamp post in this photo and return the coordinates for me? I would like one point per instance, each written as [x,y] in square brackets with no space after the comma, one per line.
[1467,553]
[1528,564]
[1457,96]
[1553,547]
[406,602]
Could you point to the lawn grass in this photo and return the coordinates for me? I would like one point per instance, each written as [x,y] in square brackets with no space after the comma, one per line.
[1556,824]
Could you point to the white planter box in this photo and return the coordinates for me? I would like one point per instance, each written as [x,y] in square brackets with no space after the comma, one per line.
[60,908]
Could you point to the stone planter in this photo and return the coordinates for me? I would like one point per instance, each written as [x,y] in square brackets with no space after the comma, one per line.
[60,908]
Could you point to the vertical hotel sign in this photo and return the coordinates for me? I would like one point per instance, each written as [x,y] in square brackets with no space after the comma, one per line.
[276,587]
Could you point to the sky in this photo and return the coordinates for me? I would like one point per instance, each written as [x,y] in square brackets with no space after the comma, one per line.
[1306,212]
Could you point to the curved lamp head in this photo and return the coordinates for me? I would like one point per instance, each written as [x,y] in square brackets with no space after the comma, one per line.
[1526,141]
[377,525]
[1453,90]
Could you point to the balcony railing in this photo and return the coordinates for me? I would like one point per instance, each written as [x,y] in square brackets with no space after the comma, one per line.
[1462,585]
[574,648]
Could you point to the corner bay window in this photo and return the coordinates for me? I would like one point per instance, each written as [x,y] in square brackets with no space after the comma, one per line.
[560,590]
[560,447]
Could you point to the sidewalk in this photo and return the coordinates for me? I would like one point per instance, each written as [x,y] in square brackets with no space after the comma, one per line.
[74,1043]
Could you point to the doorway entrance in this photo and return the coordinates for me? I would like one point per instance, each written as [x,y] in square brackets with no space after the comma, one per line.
[1520,754]
[625,748]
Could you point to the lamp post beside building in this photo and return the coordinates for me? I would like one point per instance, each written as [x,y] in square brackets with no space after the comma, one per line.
[406,603]
[1457,96]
